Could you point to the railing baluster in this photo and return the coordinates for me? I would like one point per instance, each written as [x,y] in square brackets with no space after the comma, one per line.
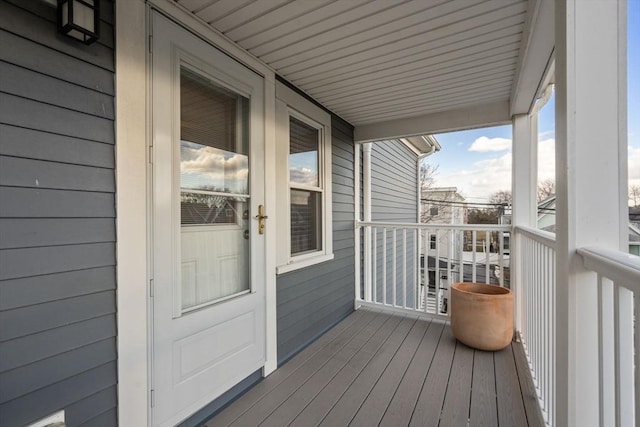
[616,352]
[487,252]
[636,339]
[404,267]
[384,266]
[416,267]
[438,279]
[606,365]
[473,255]
[374,273]
[394,270]
[626,392]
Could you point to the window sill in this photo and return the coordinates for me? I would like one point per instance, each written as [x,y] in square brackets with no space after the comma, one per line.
[297,264]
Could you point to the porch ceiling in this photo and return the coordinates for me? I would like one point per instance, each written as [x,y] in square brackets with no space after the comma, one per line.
[374,61]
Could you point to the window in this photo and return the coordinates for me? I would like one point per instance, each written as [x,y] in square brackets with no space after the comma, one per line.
[432,241]
[433,211]
[304,182]
[305,197]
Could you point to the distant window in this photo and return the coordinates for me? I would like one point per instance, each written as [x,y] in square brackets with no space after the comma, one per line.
[432,241]
[433,211]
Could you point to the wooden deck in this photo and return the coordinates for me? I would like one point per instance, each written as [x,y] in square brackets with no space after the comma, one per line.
[389,370]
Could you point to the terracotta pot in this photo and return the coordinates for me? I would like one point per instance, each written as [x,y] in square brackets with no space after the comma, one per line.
[482,315]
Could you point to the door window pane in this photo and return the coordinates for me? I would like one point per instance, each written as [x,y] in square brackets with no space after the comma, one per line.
[303,153]
[214,191]
[213,137]
[306,223]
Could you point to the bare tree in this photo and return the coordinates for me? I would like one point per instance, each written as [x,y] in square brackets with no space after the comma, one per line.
[546,189]
[634,195]
[428,174]
[502,197]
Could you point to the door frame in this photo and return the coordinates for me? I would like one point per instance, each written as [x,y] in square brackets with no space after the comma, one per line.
[133,196]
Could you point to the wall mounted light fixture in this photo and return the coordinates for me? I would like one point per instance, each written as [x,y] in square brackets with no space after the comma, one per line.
[79,19]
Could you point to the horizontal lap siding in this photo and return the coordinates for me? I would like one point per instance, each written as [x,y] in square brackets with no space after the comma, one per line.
[394,182]
[313,299]
[57,220]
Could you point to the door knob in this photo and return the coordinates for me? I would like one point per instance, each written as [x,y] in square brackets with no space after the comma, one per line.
[261,219]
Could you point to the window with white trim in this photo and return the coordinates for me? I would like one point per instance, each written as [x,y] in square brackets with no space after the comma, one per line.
[433,242]
[304,182]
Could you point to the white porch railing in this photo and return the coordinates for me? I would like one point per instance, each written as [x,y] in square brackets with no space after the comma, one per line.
[410,266]
[535,282]
[618,281]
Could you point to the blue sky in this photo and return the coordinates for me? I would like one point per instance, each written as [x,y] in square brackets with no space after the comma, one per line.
[478,161]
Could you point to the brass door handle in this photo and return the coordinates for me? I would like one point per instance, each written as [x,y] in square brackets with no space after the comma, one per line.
[261,217]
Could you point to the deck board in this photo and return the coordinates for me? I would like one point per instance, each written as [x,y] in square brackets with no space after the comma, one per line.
[373,408]
[455,412]
[484,410]
[289,409]
[315,412]
[401,407]
[349,404]
[510,404]
[385,369]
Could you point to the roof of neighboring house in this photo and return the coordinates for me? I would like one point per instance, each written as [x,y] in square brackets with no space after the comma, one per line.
[425,145]
[634,234]
[634,214]
[443,194]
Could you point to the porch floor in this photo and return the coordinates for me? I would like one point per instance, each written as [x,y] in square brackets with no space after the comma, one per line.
[384,369]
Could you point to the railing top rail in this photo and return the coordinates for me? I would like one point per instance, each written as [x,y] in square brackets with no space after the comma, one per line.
[618,266]
[542,236]
[421,226]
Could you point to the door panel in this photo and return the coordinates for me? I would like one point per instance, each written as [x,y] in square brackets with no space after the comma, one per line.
[208,257]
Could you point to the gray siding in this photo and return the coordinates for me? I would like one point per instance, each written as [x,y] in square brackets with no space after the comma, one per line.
[394,183]
[312,300]
[394,187]
[57,233]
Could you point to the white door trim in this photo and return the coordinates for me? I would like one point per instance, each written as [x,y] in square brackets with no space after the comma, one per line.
[132,198]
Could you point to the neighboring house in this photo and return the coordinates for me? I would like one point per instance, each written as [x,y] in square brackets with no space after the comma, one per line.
[179,201]
[546,213]
[442,206]
[394,180]
[634,240]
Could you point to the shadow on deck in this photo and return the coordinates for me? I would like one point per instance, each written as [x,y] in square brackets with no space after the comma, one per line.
[384,369]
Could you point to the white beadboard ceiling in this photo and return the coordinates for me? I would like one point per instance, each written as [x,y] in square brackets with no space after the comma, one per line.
[371,61]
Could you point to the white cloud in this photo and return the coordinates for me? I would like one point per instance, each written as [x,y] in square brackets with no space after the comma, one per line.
[484,144]
[486,177]
[547,159]
[483,179]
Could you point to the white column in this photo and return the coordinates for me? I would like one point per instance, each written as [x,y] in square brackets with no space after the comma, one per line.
[591,175]
[357,216]
[131,200]
[366,207]
[524,169]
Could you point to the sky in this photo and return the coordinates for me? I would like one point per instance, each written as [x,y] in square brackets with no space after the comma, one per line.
[478,161]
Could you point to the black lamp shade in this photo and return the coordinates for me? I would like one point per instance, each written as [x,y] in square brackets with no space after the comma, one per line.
[79,19]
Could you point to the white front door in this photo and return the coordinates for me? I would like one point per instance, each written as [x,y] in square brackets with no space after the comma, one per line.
[208,255]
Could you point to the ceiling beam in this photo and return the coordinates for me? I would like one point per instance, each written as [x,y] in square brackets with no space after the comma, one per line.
[483,115]
[535,57]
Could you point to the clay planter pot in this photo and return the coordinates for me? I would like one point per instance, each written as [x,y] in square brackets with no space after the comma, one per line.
[482,315]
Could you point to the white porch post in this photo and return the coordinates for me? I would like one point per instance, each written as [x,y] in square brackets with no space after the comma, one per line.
[356,231]
[523,189]
[591,174]
[366,207]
